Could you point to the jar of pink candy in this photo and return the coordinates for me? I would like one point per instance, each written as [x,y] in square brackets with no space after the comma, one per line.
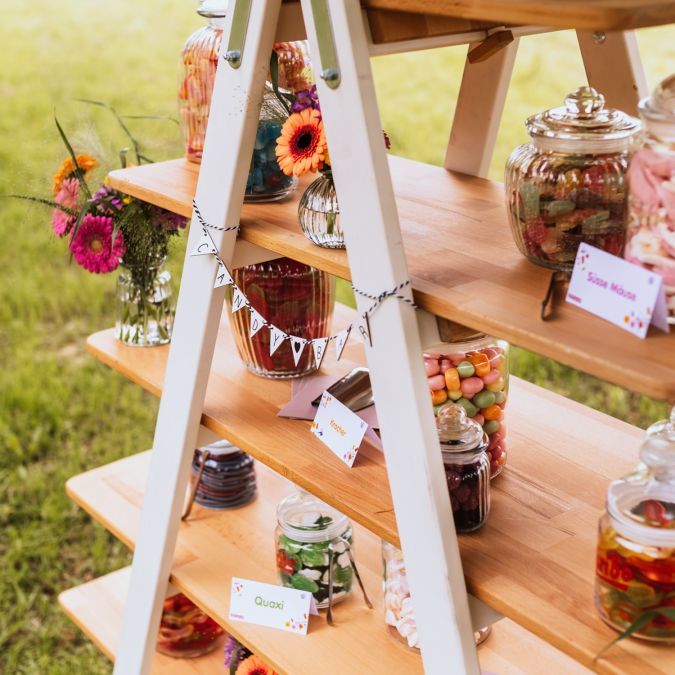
[651,191]
[472,370]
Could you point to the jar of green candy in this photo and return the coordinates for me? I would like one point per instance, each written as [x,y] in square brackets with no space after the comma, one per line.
[567,185]
[313,548]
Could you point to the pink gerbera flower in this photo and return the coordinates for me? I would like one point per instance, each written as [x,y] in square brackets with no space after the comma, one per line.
[67,196]
[92,246]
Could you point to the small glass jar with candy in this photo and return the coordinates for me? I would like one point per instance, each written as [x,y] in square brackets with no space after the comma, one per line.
[651,191]
[635,565]
[313,548]
[297,299]
[472,369]
[467,467]
[184,630]
[568,185]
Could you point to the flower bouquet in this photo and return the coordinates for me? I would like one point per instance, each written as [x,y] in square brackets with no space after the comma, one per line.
[105,230]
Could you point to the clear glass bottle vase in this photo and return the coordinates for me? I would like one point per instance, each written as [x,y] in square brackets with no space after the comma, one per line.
[144,305]
[319,213]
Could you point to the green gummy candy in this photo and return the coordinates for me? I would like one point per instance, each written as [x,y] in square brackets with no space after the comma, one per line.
[491,426]
[469,407]
[529,194]
[483,399]
[313,558]
[596,220]
[466,369]
[500,397]
[559,207]
[302,583]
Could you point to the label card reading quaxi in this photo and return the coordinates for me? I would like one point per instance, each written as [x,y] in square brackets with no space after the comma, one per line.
[619,291]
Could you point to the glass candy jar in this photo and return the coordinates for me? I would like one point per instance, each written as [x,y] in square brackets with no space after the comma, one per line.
[319,213]
[467,466]
[567,185]
[311,540]
[651,188]
[297,299]
[472,369]
[635,567]
[398,611]
[144,305]
[185,631]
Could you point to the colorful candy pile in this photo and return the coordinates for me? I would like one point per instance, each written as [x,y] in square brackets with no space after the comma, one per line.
[305,566]
[651,236]
[185,631]
[478,381]
[633,580]
[558,201]
[397,601]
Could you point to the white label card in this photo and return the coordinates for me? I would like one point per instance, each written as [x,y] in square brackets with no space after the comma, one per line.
[339,428]
[269,605]
[619,291]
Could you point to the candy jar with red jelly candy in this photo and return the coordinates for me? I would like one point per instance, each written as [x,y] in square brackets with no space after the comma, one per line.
[185,631]
[467,467]
[651,191]
[472,369]
[567,185]
[297,299]
[635,568]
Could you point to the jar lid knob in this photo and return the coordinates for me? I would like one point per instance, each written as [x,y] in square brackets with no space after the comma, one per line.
[456,429]
[658,449]
[584,102]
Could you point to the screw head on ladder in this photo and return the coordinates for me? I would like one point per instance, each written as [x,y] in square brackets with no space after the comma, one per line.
[232,56]
[599,37]
[330,75]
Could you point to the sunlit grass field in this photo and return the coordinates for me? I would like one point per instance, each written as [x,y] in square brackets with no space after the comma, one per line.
[60,411]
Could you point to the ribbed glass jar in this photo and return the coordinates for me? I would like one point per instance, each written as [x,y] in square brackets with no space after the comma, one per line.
[297,299]
[319,213]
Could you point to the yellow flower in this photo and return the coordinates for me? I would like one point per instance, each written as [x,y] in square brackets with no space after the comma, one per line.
[302,145]
[68,168]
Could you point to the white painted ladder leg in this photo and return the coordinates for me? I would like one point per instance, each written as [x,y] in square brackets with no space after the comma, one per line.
[376,257]
[230,137]
[613,67]
[479,108]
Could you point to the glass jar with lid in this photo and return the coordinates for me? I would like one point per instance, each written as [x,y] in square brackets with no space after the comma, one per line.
[472,369]
[266,182]
[567,185]
[313,543]
[651,191]
[635,565]
[467,466]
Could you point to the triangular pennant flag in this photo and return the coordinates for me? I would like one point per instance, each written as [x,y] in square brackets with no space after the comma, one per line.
[297,347]
[238,299]
[257,322]
[362,327]
[276,338]
[341,341]
[319,345]
[223,276]
[205,245]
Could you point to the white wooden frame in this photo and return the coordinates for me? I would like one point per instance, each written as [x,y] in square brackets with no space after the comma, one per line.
[377,261]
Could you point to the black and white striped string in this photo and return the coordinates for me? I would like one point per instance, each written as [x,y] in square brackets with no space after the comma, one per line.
[206,246]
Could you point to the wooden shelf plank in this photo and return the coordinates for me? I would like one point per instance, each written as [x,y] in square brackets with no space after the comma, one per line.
[96,607]
[592,14]
[463,263]
[214,546]
[545,505]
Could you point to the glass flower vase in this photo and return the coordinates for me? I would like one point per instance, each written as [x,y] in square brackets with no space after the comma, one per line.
[319,213]
[296,298]
[145,305]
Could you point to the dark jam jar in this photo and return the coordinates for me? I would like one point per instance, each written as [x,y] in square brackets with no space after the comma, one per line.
[467,466]
[635,564]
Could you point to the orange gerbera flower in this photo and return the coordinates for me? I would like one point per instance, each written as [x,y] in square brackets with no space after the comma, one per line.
[302,145]
[68,168]
[254,666]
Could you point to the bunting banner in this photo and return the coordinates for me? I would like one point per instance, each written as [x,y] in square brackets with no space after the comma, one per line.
[361,326]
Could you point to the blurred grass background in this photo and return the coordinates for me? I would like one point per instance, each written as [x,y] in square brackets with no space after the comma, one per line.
[60,411]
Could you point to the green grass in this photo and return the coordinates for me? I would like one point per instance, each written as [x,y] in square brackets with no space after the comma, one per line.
[60,411]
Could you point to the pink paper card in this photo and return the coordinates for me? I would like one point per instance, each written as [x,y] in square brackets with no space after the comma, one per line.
[619,291]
